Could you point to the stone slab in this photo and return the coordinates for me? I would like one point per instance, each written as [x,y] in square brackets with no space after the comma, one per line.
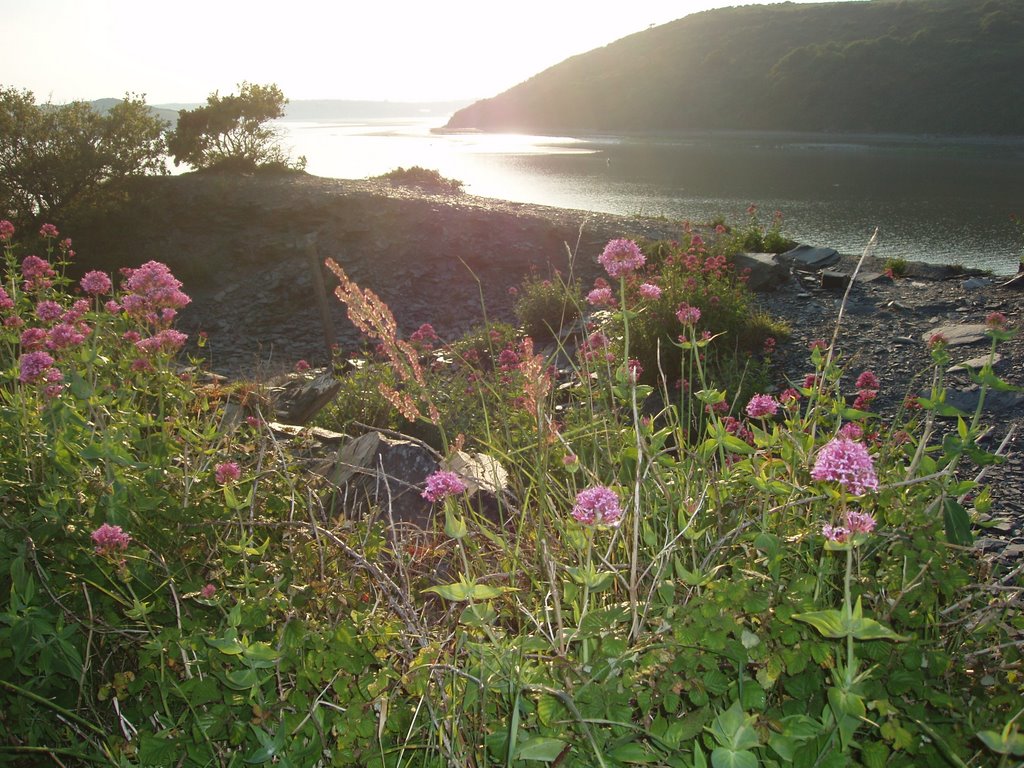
[959,335]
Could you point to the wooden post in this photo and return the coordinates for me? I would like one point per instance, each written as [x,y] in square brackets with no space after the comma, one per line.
[321,293]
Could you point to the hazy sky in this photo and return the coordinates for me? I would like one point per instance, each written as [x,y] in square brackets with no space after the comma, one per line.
[396,50]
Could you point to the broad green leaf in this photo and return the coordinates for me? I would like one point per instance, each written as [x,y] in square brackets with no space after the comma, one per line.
[845,703]
[830,623]
[227,645]
[454,526]
[242,679]
[633,752]
[732,758]
[540,748]
[957,522]
[261,655]
[1003,743]
[549,709]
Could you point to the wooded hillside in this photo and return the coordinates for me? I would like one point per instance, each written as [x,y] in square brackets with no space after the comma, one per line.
[887,66]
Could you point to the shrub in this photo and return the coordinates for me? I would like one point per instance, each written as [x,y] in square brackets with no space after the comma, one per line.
[422,178]
[546,306]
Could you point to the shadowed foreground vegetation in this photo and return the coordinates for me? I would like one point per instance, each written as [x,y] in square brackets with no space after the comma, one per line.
[688,566]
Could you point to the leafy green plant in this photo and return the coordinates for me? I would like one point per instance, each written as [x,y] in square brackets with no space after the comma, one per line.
[423,178]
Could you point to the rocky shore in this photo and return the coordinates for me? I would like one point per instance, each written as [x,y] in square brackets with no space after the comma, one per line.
[245,249]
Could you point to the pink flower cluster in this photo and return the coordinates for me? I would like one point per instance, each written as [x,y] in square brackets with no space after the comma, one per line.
[650,291]
[762,406]
[227,472]
[167,340]
[154,294]
[95,282]
[6,230]
[597,505]
[110,539]
[621,257]
[601,297]
[853,522]
[867,390]
[35,367]
[441,484]
[688,315]
[37,273]
[848,463]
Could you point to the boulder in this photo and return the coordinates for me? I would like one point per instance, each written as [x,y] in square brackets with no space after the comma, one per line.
[766,272]
[959,335]
[300,398]
[387,473]
[809,258]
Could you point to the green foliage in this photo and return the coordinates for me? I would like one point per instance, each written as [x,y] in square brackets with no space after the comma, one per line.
[720,623]
[54,156]
[422,178]
[230,132]
[897,266]
[546,306]
[887,67]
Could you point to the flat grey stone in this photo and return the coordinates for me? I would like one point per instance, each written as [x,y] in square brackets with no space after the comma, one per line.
[959,335]
[974,364]
[810,258]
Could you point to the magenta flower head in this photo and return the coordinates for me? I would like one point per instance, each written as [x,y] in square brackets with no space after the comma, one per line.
[110,539]
[650,291]
[688,315]
[6,230]
[848,463]
[227,472]
[762,406]
[621,257]
[598,505]
[442,484]
[601,297]
[48,230]
[96,282]
[34,367]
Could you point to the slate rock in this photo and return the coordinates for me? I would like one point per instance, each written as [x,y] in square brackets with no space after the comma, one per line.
[809,257]
[766,273]
[958,335]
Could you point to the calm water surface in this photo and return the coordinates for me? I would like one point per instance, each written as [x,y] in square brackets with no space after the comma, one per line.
[930,200]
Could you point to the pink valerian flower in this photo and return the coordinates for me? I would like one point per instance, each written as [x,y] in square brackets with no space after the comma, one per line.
[593,345]
[110,539]
[425,335]
[6,302]
[33,339]
[6,230]
[634,369]
[996,321]
[227,472]
[601,297]
[112,307]
[64,335]
[688,315]
[254,421]
[848,463]
[153,293]
[937,340]
[864,399]
[836,533]
[441,484]
[789,397]
[78,309]
[734,426]
[597,505]
[168,340]
[302,366]
[142,365]
[508,360]
[48,311]
[95,282]
[621,257]
[851,431]
[208,592]
[762,406]
[13,322]
[649,291]
[859,522]
[818,344]
[868,380]
[37,273]
[37,366]
[570,460]
[769,345]
[48,231]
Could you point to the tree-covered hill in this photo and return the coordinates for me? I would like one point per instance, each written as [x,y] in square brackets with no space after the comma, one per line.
[888,66]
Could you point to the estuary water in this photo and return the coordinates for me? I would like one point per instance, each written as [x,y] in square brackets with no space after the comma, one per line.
[934,200]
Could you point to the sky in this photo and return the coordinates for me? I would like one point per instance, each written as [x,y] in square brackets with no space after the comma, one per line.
[379,50]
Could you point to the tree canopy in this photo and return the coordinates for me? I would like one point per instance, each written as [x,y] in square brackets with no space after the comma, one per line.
[232,132]
[53,156]
[948,67]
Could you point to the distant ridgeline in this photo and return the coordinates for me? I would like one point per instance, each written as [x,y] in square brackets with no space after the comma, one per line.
[953,67]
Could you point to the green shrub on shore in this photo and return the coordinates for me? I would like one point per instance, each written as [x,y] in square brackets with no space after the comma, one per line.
[786,580]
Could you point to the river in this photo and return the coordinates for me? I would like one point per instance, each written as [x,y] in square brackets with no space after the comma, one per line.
[941,201]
